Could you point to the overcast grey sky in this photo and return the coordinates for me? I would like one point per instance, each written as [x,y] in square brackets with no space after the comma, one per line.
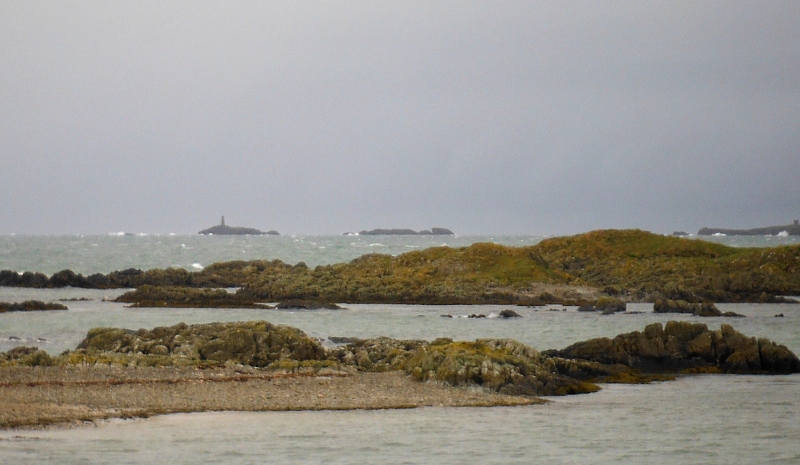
[324,117]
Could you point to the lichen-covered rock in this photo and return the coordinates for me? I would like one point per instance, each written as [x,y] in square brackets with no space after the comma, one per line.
[501,365]
[23,355]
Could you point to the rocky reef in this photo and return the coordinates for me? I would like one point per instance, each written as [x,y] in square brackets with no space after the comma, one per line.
[503,366]
[185,297]
[696,309]
[407,232]
[29,306]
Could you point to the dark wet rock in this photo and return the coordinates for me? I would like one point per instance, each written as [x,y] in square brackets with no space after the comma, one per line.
[185,297]
[255,343]
[30,306]
[509,314]
[307,305]
[682,346]
[477,315]
[706,309]
[343,339]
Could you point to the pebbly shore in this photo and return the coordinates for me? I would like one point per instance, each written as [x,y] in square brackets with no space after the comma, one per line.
[74,395]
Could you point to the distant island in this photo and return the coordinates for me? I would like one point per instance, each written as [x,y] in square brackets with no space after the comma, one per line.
[786,230]
[407,232]
[224,230]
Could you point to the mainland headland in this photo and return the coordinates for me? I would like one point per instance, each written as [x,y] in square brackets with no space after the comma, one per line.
[605,268]
[788,230]
[258,366]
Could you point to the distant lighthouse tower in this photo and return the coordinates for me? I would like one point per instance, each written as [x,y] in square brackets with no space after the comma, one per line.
[223,220]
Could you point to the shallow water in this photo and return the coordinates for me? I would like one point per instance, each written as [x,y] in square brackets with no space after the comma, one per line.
[540,327]
[695,420]
[103,254]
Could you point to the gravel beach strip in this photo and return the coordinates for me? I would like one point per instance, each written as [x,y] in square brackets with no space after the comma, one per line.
[43,396]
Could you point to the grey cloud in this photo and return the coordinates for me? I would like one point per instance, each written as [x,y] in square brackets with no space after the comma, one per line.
[322,117]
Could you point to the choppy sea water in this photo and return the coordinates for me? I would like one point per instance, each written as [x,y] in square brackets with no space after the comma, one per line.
[700,419]
[106,253]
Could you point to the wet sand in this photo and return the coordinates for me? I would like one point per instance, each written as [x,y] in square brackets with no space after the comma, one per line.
[43,396]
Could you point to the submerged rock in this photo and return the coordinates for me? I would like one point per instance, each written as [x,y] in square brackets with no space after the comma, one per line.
[509,314]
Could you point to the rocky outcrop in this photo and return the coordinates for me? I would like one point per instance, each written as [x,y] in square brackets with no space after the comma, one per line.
[508,313]
[255,343]
[696,309]
[407,232]
[29,306]
[307,305]
[683,346]
[605,305]
[501,365]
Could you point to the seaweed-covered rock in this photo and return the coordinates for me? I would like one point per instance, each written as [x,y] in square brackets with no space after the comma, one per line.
[255,343]
[186,297]
[29,306]
[307,305]
[681,346]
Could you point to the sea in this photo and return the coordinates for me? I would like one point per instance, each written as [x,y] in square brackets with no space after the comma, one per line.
[699,419]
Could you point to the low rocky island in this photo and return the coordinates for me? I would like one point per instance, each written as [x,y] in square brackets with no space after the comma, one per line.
[256,366]
[616,266]
[407,232]
[787,230]
[224,230]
